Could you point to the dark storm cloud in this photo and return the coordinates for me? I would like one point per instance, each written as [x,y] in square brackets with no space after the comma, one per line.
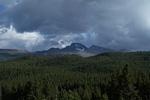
[50,16]
[109,23]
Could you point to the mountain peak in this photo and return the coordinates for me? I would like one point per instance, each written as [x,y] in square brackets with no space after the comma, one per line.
[77,45]
[77,48]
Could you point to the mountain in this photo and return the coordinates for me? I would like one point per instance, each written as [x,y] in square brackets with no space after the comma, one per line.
[12,51]
[6,54]
[76,48]
[97,49]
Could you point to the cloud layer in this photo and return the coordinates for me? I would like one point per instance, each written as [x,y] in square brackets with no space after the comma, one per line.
[9,37]
[114,24]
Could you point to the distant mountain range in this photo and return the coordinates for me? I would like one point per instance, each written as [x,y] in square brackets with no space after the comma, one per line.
[6,54]
[76,48]
[12,51]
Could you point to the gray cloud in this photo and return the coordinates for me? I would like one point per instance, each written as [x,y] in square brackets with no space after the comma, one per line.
[114,24]
[9,3]
[50,16]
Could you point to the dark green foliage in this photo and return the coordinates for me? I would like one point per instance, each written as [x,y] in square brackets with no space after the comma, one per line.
[109,76]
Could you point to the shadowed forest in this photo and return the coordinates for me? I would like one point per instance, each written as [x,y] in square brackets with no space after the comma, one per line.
[108,76]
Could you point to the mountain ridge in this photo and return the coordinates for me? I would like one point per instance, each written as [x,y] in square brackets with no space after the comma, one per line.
[73,49]
[78,49]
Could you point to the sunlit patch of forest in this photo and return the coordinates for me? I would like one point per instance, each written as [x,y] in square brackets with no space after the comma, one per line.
[108,76]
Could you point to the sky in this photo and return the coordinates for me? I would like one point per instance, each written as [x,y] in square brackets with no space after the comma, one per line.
[42,24]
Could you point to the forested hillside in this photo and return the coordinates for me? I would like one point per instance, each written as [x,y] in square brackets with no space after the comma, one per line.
[108,76]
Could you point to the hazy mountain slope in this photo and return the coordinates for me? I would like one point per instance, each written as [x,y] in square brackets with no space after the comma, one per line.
[6,54]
